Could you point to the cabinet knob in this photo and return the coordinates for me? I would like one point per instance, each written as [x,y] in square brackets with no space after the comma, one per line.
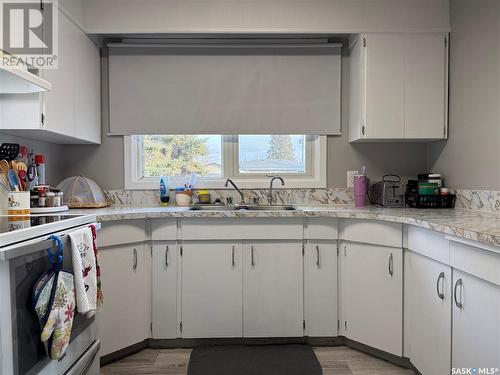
[318,262]
[166,256]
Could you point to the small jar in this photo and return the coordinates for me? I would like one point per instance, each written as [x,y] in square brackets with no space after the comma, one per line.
[42,200]
[50,198]
[58,199]
[444,191]
[34,200]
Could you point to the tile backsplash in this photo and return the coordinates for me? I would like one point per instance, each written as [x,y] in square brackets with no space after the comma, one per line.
[481,200]
[310,197]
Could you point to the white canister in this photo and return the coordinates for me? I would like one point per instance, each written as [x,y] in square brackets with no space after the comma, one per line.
[183,199]
[18,203]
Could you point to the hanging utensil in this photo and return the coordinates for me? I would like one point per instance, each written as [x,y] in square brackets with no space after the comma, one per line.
[4,166]
[4,181]
[22,180]
[13,180]
[9,151]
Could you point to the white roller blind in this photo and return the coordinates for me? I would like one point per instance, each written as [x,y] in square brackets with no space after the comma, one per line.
[225,90]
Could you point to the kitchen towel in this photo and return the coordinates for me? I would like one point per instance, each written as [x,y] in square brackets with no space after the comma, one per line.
[100,296]
[84,267]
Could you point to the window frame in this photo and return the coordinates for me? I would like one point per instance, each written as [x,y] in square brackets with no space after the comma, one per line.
[315,176]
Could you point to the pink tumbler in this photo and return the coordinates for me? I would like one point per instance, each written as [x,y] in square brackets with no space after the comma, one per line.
[360,189]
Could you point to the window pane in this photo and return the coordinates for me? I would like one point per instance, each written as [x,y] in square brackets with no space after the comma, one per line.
[181,155]
[272,153]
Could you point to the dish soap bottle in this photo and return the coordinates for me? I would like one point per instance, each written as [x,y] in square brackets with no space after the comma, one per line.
[164,191]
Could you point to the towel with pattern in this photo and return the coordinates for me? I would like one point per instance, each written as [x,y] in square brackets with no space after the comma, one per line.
[84,268]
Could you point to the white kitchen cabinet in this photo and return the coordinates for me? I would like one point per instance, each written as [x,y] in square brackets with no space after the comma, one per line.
[399,86]
[70,112]
[320,288]
[476,323]
[164,296]
[372,295]
[125,315]
[426,82]
[273,289]
[211,289]
[427,311]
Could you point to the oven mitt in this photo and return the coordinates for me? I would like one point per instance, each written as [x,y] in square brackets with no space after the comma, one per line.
[55,308]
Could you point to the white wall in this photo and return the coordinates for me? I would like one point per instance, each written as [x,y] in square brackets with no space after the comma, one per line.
[471,157]
[267,16]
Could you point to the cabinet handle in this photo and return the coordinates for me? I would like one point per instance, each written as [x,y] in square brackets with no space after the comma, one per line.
[166,256]
[232,257]
[252,255]
[440,293]
[391,265]
[458,284]
[134,266]
[318,263]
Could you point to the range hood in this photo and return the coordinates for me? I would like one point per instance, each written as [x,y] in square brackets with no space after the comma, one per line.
[20,81]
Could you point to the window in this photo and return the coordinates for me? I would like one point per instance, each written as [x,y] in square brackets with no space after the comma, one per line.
[181,155]
[247,159]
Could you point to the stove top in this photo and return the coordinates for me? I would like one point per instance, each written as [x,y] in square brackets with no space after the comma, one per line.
[14,229]
[13,223]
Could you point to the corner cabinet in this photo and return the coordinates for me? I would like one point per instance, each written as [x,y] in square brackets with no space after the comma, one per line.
[399,87]
[427,311]
[372,295]
[70,112]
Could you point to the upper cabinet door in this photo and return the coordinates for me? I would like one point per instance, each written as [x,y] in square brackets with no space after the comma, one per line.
[384,86]
[426,64]
[88,93]
[59,103]
[398,86]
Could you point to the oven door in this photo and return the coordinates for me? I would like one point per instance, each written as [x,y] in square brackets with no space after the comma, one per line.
[29,353]
[88,363]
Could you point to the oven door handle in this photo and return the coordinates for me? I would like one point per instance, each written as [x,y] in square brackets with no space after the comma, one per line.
[83,364]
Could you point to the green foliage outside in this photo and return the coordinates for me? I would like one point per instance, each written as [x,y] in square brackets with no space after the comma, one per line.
[281,148]
[174,155]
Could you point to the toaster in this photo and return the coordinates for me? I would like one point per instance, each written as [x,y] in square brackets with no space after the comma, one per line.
[388,193]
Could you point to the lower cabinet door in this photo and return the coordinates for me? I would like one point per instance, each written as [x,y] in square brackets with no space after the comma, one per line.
[372,295]
[273,289]
[476,323]
[211,289]
[320,288]
[164,306]
[125,315]
[427,305]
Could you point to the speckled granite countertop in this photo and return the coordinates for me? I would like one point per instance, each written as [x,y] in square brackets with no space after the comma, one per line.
[478,226]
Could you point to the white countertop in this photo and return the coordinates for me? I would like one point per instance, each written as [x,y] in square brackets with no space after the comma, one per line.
[483,227]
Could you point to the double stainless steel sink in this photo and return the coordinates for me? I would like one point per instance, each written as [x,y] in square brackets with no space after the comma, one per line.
[241,207]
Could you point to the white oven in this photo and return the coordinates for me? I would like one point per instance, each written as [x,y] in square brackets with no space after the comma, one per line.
[22,352]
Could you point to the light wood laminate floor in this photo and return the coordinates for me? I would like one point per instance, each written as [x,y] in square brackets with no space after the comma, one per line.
[339,360]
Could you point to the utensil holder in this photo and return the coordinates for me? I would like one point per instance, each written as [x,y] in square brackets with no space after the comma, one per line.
[18,203]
